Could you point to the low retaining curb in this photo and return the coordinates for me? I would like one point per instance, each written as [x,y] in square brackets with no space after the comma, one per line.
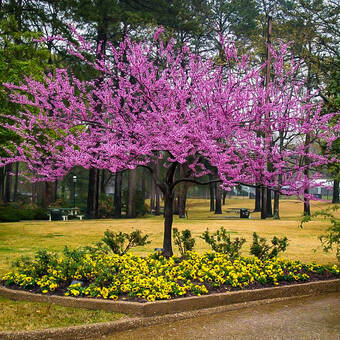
[180,304]
[161,311]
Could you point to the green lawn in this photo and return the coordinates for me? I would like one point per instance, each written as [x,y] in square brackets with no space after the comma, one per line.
[25,238]
[24,316]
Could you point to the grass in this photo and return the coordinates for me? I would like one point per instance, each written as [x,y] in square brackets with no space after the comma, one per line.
[26,237]
[25,316]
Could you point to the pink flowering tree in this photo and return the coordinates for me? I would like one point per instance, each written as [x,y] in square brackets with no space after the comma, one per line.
[152,101]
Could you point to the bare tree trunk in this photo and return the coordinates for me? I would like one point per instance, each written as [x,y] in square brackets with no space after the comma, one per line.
[143,184]
[269,203]
[131,208]
[47,194]
[306,204]
[8,183]
[152,195]
[218,200]
[96,202]
[16,182]
[264,203]
[182,201]
[157,202]
[91,196]
[335,198]
[212,194]
[182,195]
[224,197]
[118,195]
[276,205]
[55,191]
[62,194]
[2,182]
[257,199]
[168,219]
[157,195]
[102,182]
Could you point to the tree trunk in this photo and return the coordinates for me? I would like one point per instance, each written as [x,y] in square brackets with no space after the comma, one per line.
[269,203]
[153,195]
[276,205]
[47,194]
[102,182]
[157,194]
[16,182]
[224,196]
[118,195]
[257,199]
[55,194]
[218,201]
[2,182]
[168,219]
[264,203]
[143,184]
[306,205]
[335,198]
[212,194]
[131,208]
[157,202]
[96,201]
[91,196]
[8,183]
[182,200]
[62,193]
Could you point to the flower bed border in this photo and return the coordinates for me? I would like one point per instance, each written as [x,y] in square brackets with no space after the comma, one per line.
[178,305]
[151,313]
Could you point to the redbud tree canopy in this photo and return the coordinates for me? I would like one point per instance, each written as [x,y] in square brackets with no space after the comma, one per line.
[152,100]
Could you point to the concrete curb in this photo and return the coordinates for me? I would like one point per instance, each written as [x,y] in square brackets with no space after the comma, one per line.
[93,331]
[161,311]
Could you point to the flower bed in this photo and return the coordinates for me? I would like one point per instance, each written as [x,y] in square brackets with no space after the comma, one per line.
[154,277]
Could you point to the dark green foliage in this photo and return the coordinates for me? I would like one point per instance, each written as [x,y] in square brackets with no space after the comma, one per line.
[10,213]
[221,243]
[264,251]
[183,240]
[120,243]
[330,240]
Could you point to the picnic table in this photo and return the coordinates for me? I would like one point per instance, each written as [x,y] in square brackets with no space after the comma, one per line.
[58,214]
[244,212]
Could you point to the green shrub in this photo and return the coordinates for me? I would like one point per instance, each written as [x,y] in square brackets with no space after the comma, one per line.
[11,213]
[264,251]
[183,240]
[120,243]
[221,243]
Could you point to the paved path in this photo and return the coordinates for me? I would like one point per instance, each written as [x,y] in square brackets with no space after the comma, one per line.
[304,318]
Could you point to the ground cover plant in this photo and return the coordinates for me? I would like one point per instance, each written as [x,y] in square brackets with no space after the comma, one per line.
[79,272]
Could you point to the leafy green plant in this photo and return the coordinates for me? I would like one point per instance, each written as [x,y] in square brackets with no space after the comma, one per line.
[330,240]
[120,243]
[262,250]
[221,242]
[183,240]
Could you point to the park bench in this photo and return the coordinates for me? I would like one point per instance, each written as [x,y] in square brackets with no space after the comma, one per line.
[58,214]
[243,212]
